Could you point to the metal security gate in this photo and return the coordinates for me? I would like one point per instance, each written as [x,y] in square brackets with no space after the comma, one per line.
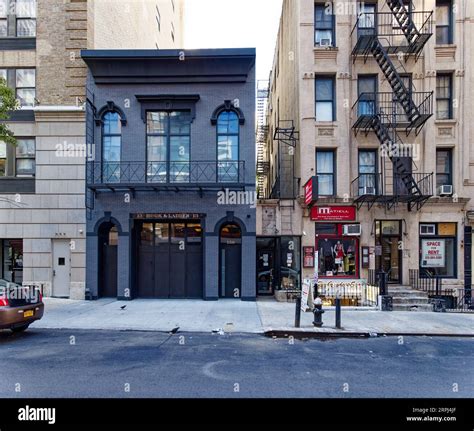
[170,260]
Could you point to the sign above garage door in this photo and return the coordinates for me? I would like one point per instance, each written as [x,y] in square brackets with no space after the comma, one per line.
[168,216]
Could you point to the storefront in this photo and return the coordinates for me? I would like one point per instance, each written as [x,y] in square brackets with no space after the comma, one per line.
[278,264]
[438,250]
[337,241]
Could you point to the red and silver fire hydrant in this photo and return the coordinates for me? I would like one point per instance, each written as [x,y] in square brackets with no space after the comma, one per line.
[318,312]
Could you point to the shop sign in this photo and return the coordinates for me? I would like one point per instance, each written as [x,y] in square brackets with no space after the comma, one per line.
[311,191]
[168,216]
[308,257]
[333,213]
[433,253]
[305,290]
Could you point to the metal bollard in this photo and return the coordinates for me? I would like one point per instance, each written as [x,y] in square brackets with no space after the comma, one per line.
[338,313]
[318,313]
[298,312]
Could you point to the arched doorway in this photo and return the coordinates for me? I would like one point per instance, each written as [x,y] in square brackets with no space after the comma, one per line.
[108,246]
[230,262]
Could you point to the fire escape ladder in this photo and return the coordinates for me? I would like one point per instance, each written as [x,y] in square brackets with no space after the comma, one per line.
[390,72]
[390,142]
[404,19]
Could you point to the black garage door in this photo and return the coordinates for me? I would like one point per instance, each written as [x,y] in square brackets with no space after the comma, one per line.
[170,260]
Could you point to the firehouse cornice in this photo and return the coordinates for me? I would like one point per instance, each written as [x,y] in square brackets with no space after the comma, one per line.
[168,102]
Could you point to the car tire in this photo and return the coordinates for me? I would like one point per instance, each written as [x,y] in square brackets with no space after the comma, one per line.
[18,329]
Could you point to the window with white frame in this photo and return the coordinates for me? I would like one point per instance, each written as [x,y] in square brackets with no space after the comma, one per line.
[18,160]
[25,18]
[3,18]
[25,80]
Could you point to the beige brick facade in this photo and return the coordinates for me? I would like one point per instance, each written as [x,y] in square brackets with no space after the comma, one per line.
[298,61]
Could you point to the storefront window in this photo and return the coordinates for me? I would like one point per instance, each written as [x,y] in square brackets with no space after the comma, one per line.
[438,252]
[290,263]
[337,257]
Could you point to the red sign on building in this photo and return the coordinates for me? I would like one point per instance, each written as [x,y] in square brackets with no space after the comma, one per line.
[311,191]
[333,213]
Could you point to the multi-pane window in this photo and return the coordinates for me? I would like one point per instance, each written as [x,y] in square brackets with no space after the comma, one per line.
[444,96]
[367,87]
[111,147]
[325,171]
[3,159]
[325,99]
[25,80]
[228,130]
[26,18]
[324,24]
[366,21]
[444,22]
[18,160]
[3,74]
[367,172]
[444,167]
[3,18]
[18,18]
[168,146]
[25,158]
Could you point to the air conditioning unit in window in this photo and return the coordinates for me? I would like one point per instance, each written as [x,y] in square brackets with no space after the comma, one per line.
[325,42]
[352,230]
[368,191]
[446,190]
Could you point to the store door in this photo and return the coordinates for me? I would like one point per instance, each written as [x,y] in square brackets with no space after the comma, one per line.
[61,268]
[265,269]
[389,258]
[170,259]
[230,261]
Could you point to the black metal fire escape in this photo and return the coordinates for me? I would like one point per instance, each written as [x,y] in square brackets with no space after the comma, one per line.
[382,118]
[263,164]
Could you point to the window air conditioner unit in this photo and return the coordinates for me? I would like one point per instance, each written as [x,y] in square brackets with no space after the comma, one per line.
[368,191]
[446,190]
[325,42]
[352,230]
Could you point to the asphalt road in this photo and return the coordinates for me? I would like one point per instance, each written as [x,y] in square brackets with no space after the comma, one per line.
[61,363]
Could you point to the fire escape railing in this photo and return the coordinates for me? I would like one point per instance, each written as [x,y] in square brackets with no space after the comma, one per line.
[381,35]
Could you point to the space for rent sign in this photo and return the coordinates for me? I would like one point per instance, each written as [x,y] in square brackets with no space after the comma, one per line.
[433,253]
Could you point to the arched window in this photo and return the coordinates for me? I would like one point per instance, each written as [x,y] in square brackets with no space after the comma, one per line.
[228,129]
[111,146]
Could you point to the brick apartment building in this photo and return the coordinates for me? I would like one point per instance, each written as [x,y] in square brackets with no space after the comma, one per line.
[366,162]
[42,179]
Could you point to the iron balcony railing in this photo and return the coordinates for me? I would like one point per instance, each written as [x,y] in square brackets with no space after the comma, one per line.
[164,173]
[385,26]
[390,109]
[367,186]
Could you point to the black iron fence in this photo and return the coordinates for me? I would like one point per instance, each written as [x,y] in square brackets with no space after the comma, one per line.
[191,172]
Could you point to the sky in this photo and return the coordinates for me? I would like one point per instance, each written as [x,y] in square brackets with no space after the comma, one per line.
[234,24]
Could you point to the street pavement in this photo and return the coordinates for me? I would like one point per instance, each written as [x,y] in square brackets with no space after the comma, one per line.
[235,316]
[80,364]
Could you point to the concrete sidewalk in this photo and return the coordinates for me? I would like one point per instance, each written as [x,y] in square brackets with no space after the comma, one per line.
[279,318]
[151,315]
[264,316]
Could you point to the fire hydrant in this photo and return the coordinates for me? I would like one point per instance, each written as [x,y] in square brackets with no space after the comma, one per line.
[318,312]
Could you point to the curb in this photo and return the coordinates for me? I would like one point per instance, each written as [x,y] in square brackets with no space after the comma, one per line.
[279,333]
